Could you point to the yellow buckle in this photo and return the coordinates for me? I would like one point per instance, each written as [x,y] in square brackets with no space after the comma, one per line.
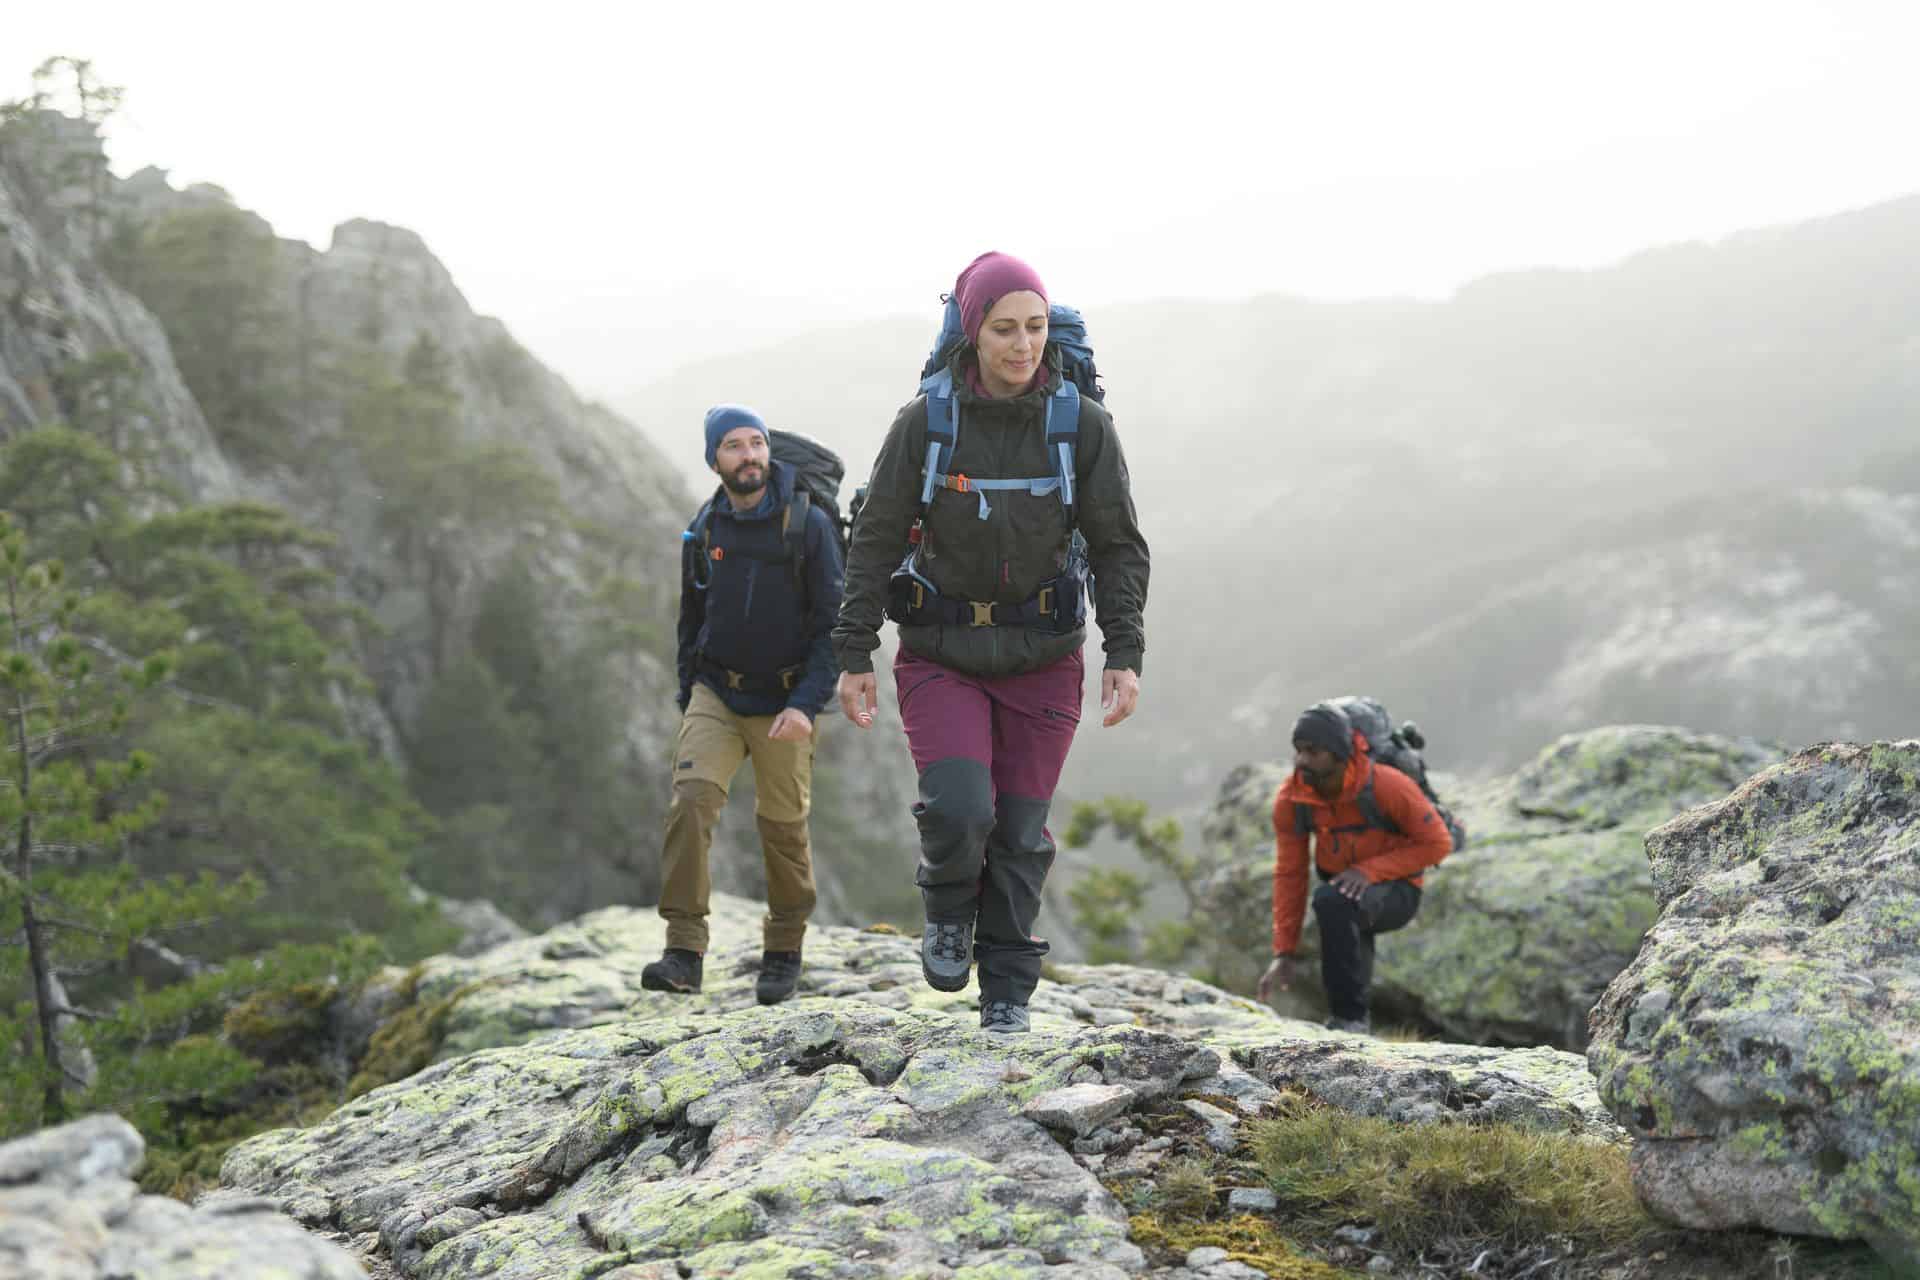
[789,678]
[982,613]
[1045,600]
[734,680]
[919,596]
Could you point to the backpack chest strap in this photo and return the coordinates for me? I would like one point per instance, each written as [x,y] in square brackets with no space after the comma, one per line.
[1062,432]
[1038,486]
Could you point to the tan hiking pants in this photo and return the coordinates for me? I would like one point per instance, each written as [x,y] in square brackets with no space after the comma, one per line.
[713,743]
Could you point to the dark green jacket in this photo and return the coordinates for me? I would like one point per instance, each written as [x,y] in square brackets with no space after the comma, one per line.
[1007,556]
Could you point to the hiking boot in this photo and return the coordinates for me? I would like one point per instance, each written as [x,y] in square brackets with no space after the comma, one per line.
[675,970]
[946,955]
[779,975]
[1004,1017]
[1355,1026]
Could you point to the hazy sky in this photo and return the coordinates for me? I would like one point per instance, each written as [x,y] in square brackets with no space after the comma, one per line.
[632,186]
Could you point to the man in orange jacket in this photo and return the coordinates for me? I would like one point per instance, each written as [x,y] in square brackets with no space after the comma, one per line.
[1374,831]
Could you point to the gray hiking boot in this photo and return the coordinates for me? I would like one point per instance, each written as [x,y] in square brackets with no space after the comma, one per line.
[779,975]
[675,970]
[1005,1017]
[946,955]
[1354,1026]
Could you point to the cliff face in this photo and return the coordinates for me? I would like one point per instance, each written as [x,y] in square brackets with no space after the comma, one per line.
[482,513]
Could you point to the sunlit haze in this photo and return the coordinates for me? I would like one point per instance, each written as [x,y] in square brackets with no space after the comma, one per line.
[631,188]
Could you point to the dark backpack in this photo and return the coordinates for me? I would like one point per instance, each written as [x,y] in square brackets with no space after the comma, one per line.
[1397,749]
[817,473]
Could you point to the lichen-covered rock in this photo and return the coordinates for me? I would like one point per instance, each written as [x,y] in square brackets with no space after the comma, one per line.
[868,1125]
[1764,1047]
[1519,933]
[69,1210]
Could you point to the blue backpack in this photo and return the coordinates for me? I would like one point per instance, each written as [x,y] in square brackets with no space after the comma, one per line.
[1062,602]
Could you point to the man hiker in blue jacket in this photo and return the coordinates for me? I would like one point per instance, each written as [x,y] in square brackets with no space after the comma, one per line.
[759,592]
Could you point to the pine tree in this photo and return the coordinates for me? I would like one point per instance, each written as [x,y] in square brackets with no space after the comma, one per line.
[58,806]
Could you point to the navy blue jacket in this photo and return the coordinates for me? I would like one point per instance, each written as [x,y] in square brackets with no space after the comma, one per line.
[749,617]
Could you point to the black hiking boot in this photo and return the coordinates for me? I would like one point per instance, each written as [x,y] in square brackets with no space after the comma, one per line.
[1352,1026]
[946,955]
[675,970]
[779,975]
[1004,1017]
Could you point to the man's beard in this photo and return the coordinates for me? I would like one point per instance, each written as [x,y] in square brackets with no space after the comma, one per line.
[1325,780]
[734,484]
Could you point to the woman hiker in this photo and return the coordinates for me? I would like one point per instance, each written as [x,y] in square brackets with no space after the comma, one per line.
[984,478]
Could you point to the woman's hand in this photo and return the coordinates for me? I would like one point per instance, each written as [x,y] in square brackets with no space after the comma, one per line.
[859,697]
[1119,694]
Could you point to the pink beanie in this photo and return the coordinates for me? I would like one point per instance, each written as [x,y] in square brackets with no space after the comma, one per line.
[987,279]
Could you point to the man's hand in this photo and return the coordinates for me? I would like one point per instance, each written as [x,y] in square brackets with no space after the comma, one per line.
[1278,977]
[1352,882]
[791,726]
[859,697]
[1119,694]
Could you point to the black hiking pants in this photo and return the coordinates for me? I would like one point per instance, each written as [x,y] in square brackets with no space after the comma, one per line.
[1347,930]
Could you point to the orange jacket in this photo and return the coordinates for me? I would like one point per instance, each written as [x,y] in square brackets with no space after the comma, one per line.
[1342,839]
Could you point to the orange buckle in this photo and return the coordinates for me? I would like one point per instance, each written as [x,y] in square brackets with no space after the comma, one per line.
[982,613]
[962,484]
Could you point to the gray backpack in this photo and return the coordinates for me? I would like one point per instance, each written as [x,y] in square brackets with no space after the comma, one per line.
[1397,749]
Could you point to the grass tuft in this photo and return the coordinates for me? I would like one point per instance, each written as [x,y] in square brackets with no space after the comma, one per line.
[1420,1184]
[1185,1187]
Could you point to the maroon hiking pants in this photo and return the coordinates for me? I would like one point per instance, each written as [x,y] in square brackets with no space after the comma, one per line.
[989,750]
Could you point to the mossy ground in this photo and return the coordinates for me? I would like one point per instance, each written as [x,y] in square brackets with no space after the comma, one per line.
[408,1040]
[1435,1199]
[300,1082]
[185,1161]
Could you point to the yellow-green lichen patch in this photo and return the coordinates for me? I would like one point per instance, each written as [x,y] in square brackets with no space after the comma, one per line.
[1254,1241]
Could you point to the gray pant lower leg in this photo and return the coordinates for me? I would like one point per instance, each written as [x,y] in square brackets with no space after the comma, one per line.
[955,814]
[1019,855]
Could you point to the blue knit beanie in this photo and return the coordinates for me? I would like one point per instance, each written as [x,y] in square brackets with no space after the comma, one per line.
[723,418]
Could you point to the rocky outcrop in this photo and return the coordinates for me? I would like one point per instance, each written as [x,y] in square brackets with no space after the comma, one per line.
[609,552]
[1764,1047]
[60,307]
[1519,933]
[867,1126]
[69,1210]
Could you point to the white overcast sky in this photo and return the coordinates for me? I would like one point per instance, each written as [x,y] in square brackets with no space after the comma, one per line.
[630,186]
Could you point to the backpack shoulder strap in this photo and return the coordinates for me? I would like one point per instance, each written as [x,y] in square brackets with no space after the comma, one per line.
[1302,818]
[793,528]
[1063,434]
[700,534]
[1370,810]
[943,433]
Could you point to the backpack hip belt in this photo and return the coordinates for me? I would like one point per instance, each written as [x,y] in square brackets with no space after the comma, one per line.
[1059,605]
[781,681]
